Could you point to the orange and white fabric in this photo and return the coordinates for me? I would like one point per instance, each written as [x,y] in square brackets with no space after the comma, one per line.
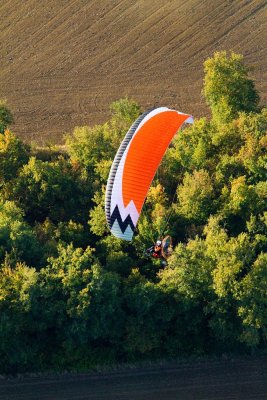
[135,165]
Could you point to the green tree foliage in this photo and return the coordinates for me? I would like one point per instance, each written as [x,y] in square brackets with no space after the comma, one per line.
[152,221]
[123,113]
[18,347]
[227,87]
[81,310]
[253,152]
[91,146]
[149,316]
[253,303]
[97,221]
[51,189]
[196,196]
[17,240]
[188,280]
[13,154]
[6,118]
[72,296]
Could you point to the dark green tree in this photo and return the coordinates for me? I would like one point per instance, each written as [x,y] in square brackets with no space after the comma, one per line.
[18,347]
[56,190]
[18,242]
[6,118]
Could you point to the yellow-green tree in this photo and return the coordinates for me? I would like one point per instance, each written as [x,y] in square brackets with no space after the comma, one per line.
[227,87]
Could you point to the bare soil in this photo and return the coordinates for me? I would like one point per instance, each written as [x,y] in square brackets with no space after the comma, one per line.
[232,379]
[64,62]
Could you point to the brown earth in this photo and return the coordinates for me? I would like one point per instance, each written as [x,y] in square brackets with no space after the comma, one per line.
[64,61]
[236,379]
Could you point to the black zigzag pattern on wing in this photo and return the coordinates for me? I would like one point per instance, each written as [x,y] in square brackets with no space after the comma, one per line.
[117,159]
[123,224]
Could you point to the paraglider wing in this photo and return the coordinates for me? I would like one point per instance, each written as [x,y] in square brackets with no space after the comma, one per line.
[135,165]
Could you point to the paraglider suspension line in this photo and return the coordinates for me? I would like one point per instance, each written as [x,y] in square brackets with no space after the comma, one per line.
[168,218]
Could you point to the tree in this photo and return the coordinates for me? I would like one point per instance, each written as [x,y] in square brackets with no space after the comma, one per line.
[97,220]
[54,190]
[81,308]
[231,258]
[253,303]
[123,113]
[195,196]
[90,146]
[188,282]
[253,150]
[17,239]
[6,118]
[227,88]
[148,317]
[13,155]
[152,224]
[83,305]
[18,347]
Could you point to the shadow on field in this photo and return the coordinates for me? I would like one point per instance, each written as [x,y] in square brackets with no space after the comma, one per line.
[233,379]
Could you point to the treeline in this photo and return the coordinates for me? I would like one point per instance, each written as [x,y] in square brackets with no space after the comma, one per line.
[72,296]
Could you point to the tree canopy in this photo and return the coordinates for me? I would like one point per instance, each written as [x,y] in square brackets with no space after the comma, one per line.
[72,296]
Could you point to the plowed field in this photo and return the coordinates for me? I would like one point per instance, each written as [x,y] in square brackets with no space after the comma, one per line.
[218,380]
[63,62]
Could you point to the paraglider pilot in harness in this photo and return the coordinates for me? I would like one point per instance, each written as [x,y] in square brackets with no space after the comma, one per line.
[162,249]
[157,249]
